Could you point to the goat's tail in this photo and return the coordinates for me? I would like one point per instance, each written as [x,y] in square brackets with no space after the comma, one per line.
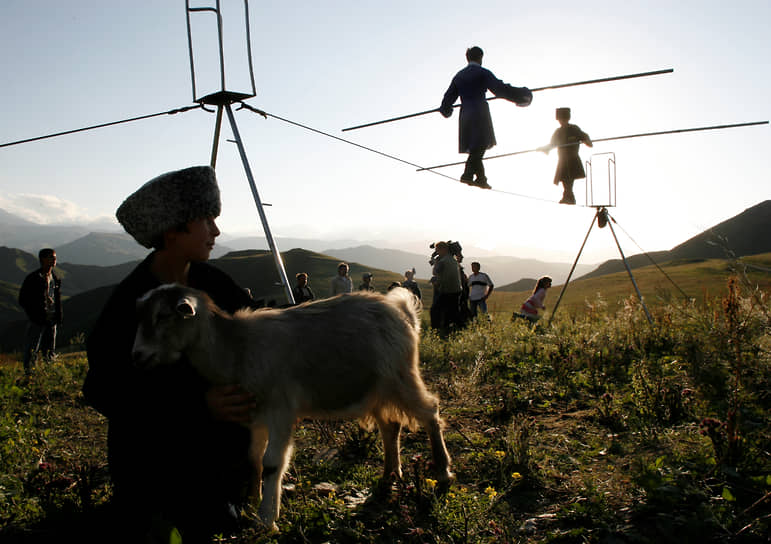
[409,304]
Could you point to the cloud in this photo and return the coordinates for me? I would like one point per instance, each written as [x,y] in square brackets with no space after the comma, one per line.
[50,210]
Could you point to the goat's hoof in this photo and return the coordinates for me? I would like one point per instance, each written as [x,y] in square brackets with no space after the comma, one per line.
[266,524]
[446,476]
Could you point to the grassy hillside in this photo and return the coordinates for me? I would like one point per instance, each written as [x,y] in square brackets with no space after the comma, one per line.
[257,271]
[748,233]
[15,264]
[696,278]
[599,430]
[9,305]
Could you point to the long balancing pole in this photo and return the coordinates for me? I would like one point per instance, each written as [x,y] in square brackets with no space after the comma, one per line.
[558,86]
[642,134]
[260,210]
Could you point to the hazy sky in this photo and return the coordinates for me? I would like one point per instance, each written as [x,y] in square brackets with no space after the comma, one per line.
[331,65]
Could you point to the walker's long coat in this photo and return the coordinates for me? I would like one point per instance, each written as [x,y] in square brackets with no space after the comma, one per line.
[475,124]
[569,166]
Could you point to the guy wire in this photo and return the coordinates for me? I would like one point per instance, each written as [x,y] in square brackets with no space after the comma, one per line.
[317,131]
[650,258]
[170,112]
[266,115]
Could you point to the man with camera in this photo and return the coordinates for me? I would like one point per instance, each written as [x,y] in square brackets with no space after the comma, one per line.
[448,287]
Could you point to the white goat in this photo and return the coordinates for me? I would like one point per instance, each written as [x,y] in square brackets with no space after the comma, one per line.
[350,356]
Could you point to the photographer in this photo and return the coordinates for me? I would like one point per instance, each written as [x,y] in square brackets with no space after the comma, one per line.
[447,288]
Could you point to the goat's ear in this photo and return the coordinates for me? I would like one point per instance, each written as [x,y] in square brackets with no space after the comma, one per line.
[185,307]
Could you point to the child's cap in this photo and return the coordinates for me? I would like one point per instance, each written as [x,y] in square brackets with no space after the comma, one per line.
[169,200]
[563,113]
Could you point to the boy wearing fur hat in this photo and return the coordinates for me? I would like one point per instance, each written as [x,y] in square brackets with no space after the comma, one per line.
[178,454]
[567,140]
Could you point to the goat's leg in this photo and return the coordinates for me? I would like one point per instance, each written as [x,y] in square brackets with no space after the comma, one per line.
[423,406]
[256,453]
[439,453]
[390,432]
[274,464]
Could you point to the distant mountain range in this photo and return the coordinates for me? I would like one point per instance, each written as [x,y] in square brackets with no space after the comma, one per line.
[87,285]
[74,245]
[748,233]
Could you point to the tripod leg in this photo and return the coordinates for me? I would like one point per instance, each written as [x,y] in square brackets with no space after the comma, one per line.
[575,263]
[260,210]
[216,142]
[629,271]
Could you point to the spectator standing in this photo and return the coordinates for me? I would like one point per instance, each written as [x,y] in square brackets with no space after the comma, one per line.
[480,289]
[341,283]
[302,291]
[40,297]
[447,281]
[410,283]
[366,282]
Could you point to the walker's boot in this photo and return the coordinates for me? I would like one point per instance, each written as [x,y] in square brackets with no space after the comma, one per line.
[481,182]
[568,198]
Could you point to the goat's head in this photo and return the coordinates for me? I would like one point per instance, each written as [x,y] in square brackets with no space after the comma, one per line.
[168,323]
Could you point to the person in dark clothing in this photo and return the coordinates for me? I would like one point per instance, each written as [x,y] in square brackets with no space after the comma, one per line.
[178,450]
[302,291]
[448,288]
[410,283]
[41,298]
[567,139]
[475,134]
[366,282]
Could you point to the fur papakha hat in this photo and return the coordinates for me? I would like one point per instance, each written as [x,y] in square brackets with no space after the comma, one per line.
[169,200]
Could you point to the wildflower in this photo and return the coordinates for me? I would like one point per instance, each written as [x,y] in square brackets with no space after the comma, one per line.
[500,454]
[516,476]
[491,492]
[431,484]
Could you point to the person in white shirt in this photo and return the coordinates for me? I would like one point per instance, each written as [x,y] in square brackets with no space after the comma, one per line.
[480,288]
[342,282]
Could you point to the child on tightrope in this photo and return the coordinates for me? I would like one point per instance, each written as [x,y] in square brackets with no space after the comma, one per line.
[535,302]
[567,140]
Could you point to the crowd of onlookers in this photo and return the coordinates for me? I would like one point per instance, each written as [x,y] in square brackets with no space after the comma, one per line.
[457,297]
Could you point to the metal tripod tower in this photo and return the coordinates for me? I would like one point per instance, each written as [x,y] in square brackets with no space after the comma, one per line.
[224,100]
[601,216]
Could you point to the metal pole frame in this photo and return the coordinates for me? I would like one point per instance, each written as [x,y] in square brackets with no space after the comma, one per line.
[216,10]
[223,99]
[260,210]
[611,167]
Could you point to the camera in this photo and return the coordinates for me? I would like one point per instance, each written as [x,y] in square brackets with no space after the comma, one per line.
[455,250]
